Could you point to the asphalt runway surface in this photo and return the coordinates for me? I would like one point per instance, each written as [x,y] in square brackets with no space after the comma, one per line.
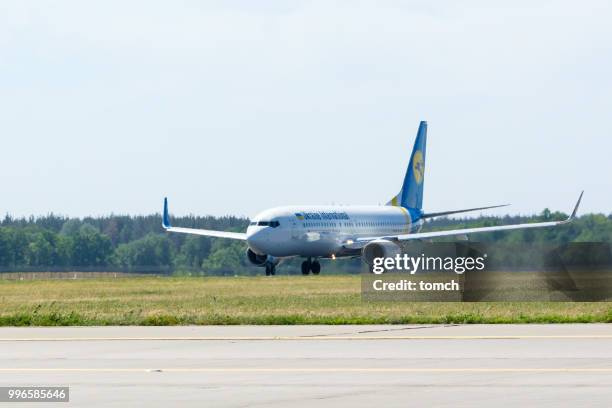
[322,366]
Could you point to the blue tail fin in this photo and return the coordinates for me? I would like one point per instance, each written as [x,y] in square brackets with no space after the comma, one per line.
[411,194]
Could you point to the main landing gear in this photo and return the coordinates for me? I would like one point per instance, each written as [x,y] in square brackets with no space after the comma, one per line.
[311,266]
[270,269]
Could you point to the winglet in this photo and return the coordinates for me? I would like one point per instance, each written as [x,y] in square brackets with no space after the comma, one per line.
[571,217]
[166,217]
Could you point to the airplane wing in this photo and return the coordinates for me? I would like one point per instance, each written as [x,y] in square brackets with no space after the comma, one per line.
[465,231]
[208,233]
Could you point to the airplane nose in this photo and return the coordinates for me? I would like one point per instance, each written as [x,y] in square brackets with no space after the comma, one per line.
[256,239]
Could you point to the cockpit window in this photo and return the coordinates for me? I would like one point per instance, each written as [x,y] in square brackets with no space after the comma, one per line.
[272,224]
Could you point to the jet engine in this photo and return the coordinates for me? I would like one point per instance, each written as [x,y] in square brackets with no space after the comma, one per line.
[260,260]
[379,248]
[256,259]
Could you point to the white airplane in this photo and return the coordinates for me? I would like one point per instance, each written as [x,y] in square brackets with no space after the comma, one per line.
[331,231]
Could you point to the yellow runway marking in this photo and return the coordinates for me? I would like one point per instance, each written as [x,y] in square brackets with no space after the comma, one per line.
[313,370]
[314,337]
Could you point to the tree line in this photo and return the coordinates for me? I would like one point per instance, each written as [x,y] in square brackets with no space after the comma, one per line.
[122,242]
[116,242]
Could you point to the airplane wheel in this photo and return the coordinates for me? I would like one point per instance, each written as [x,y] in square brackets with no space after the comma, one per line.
[305,267]
[315,267]
[269,269]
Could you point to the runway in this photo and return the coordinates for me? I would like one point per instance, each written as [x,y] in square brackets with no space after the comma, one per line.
[304,366]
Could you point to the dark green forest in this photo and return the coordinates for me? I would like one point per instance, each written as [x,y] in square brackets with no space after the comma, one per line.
[138,243]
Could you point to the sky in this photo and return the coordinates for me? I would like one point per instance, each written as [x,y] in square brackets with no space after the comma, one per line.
[232,107]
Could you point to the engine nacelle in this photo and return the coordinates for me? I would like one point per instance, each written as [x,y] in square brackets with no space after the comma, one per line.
[256,259]
[379,248]
[260,260]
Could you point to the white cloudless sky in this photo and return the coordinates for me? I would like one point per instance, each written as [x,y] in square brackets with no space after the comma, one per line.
[232,107]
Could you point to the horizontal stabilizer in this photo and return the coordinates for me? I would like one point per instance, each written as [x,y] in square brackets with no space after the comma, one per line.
[443,213]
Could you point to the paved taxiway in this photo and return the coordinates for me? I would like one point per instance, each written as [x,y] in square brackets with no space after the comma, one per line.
[472,365]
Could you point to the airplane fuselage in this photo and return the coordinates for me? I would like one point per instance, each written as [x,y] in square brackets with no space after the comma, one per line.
[323,231]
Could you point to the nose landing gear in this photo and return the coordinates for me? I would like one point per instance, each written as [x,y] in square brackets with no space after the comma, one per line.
[306,267]
[311,266]
[270,269]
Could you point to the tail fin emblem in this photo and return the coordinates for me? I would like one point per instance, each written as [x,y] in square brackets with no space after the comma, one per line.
[418,167]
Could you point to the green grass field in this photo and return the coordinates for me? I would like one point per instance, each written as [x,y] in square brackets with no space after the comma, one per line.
[252,300]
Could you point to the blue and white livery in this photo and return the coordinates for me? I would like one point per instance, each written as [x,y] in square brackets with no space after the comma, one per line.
[315,232]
